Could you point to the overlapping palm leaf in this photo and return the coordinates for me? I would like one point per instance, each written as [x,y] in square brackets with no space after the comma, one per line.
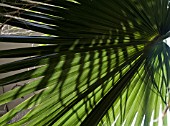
[103,62]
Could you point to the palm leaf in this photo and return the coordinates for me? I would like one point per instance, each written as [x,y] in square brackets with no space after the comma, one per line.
[103,62]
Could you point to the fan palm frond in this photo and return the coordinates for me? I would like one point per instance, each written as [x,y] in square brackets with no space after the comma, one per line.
[103,61]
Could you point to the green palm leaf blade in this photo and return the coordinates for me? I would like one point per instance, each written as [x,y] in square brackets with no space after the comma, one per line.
[104,62]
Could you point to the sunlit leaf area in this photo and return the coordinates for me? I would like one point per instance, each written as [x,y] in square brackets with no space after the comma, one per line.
[84,63]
